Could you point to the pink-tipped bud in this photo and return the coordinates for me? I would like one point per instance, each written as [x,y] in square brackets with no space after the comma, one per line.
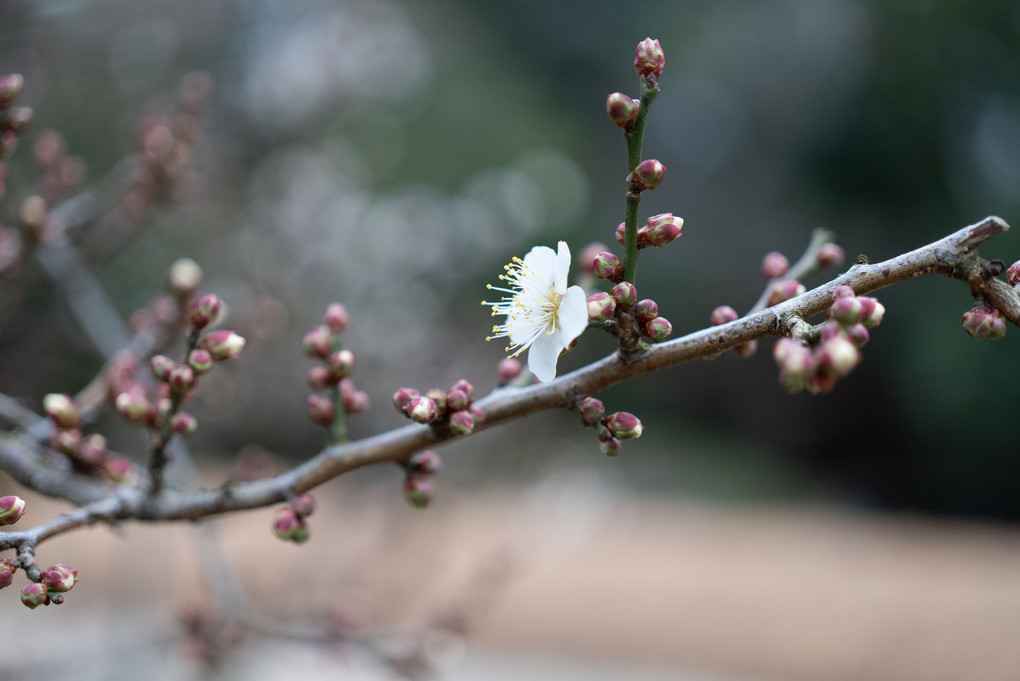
[508,370]
[478,413]
[467,387]
[621,233]
[321,409]
[601,306]
[10,88]
[11,509]
[205,311]
[774,265]
[181,379]
[183,423]
[59,578]
[830,255]
[303,506]
[427,462]
[858,335]
[67,441]
[336,318]
[318,378]
[796,363]
[723,315]
[133,405]
[646,310]
[340,364]
[403,397]
[34,595]
[1013,274]
[419,489]
[622,110]
[288,526]
[93,450]
[61,410]
[607,266]
[648,175]
[843,291]
[592,410]
[437,396]
[422,410]
[223,345]
[662,229]
[462,423]
[624,425]
[847,310]
[837,356]
[354,401]
[610,446]
[785,290]
[184,277]
[874,315]
[19,119]
[745,350]
[161,366]
[586,258]
[649,58]
[120,470]
[984,322]
[457,400]
[200,361]
[7,569]
[658,329]
[317,343]
[625,294]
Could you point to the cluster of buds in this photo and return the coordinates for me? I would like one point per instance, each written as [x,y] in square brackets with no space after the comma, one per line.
[455,409]
[290,522]
[622,298]
[335,371]
[620,425]
[836,348]
[658,230]
[14,120]
[50,587]
[88,453]
[725,314]
[984,321]
[420,473]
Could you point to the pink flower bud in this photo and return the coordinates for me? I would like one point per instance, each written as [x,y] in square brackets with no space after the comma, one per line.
[875,315]
[646,310]
[774,265]
[200,361]
[624,425]
[93,450]
[466,387]
[19,119]
[647,175]
[318,378]
[205,311]
[321,409]
[61,410]
[7,569]
[133,405]
[601,306]
[223,345]
[67,441]
[403,397]
[11,509]
[586,258]
[34,595]
[610,446]
[621,233]
[785,290]
[10,88]
[303,506]
[663,229]
[354,401]
[161,366]
[843,291]
[419,489]
[508,370]
[858,335]
[723,314]
[59,578]
[1013,274]
[340,364]
[427,462]
[478,413]
[745,350]
[457,400]
[830,255]
[317,343]
[984,322]
[837,356]
[607,266]
[592,410]
[437,396]
[181,379]
[649,58]
[183,423]
[462,423]
[120,470]
[184,277]
[422,410]
[336,318]
[625,294]
[288,526]
[622,110]
[658,329]
[847,310]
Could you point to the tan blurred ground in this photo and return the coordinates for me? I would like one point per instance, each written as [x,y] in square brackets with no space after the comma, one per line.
[587,572]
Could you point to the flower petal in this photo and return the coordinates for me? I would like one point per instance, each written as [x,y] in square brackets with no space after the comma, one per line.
[542,356]
[541,262]
[573,315]
[562,267]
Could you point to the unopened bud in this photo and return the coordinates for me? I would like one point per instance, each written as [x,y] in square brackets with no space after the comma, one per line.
[624,425]
[184,277]
[586,258]
[592,410]
[120,470]
[722,315]
[288,526]
[462,423]
[467,387]
[658,329]
[837,356]
[830,255]
[875,315]
[93,450]
[662,229]
[67,441]
[647,175]
[205,311]
[419,489]
[622,110]
[1013,274]
[61,410]
[32,212]
[321,409]
[437,396]
[10,88]
[336,318]
[508,370]
[426,461]
[785,290]
[303,505]
[843,291]
[621,233]
[7,569]
[607,266]
[745,350]
[422,409]
[847,310]
[340,364]
[478,413]
[403,397]
[858,335]
[601,306]
[181,379]
[161,366]
[646,310]
[774,265]
[200,360]
[183,423]
[649,58]
[318,343]
[457,400]
[133,406]
[318,378]
[59,578]
[11,509]
[610,446]
[984,322]
[223,345]
[625,294]
[19,119]
[354,401]
[34,595]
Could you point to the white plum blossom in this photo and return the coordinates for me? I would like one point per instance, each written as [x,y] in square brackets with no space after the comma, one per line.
[543,316]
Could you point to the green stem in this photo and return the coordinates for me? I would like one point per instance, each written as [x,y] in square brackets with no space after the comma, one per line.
[635,138]
[338,429]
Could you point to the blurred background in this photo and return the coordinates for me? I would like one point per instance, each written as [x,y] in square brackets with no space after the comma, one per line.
[394,155]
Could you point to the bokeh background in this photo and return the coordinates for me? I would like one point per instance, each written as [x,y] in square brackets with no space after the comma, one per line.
[394,155]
